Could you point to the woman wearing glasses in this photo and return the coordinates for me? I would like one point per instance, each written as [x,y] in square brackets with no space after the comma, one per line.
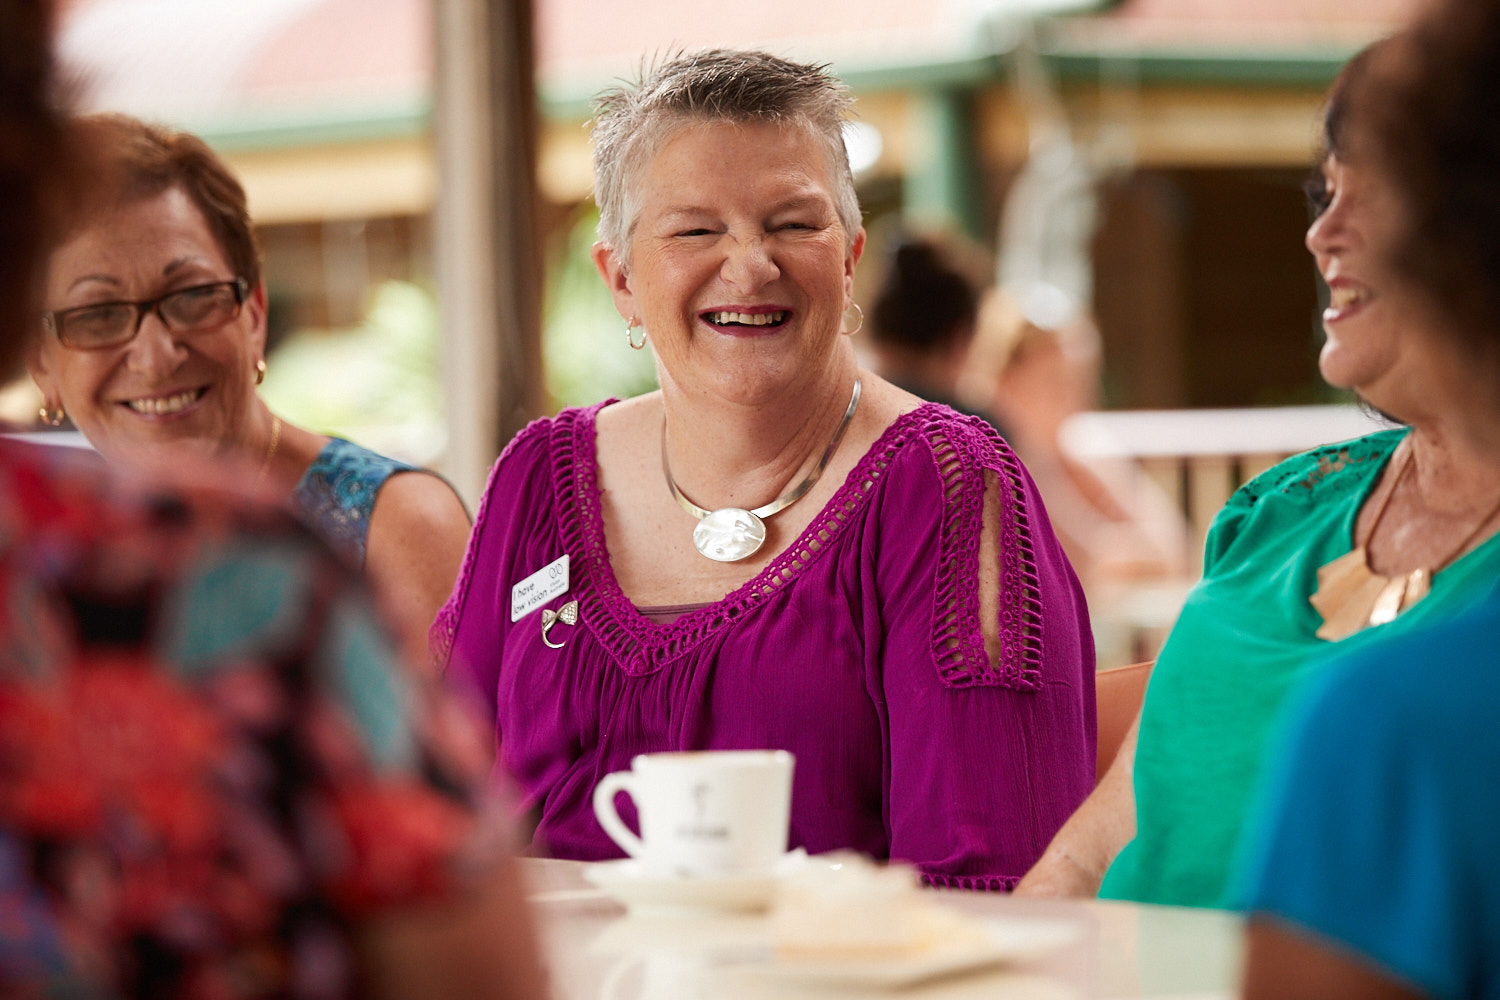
[154,342]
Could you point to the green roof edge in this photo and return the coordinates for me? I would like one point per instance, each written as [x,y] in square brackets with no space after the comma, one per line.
[324,125]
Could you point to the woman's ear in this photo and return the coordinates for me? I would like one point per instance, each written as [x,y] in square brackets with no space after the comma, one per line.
[39,365]
[851,260]
[616,279]
[255,302]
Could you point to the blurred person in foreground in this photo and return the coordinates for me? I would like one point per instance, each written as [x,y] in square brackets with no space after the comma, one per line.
[216,779]
[154,341]
[1372,868]
[1035,360]
[1348,547]
[777,549]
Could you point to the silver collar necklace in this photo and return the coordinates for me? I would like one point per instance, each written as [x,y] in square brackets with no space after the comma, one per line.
[729,534]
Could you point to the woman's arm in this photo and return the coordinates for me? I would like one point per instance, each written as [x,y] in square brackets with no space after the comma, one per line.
[1282,963]
[1076,860]
[480,945]
[418,532]
[987,670]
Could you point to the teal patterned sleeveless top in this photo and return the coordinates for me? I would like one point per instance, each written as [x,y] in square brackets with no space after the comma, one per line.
[336,494]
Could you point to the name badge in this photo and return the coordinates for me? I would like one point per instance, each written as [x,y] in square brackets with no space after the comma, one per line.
[539,588]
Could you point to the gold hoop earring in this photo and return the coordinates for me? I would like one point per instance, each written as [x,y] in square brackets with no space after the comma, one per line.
[630,337]
[859,324]
[260,371]
[53,418]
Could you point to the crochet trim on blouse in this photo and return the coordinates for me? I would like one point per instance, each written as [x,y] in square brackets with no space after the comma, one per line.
[957,645]
[979,883]
[964,449]
[1308,472]
[440,636]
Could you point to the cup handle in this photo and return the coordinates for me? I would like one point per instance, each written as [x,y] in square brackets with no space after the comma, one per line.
[604,809]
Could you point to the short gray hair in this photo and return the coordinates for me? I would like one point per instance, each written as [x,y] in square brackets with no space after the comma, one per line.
[634,121]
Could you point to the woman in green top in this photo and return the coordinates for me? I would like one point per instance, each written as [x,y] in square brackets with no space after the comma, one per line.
[1351,544]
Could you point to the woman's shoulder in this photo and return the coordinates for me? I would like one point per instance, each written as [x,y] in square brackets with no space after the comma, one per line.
[1276,505]
[1337,468]
[951,442]
[540,468]
[546,435]
[341,457]
[545,448]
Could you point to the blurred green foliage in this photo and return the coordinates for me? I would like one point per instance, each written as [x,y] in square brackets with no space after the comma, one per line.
[583,338]
[377,383]
[380,383]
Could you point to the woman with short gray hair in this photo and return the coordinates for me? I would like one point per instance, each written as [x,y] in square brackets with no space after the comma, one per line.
[777,549]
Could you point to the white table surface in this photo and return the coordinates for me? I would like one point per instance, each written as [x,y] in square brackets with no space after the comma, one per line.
[595,951]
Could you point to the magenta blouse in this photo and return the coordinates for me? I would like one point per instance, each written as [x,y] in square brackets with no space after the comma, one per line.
[858,649]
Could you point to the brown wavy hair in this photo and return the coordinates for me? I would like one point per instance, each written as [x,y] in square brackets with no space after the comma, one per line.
[142,159]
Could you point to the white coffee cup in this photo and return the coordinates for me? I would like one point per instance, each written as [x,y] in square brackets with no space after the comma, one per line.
[703,813]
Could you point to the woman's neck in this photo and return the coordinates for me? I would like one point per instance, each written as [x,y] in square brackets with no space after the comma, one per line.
[1453,409]
[725,454]
[1456,461]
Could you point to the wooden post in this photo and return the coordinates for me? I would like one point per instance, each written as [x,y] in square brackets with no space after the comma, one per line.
[486,244]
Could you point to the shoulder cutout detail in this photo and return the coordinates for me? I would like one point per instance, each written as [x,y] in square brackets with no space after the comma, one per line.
[964,449]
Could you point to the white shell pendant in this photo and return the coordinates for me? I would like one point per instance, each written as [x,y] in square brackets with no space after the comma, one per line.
[729,534]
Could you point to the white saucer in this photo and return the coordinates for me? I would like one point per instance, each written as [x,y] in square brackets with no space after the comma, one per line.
[642,891]
[1009,940]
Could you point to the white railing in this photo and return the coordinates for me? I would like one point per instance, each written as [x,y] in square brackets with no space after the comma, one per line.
[1197,458]
[1200,457]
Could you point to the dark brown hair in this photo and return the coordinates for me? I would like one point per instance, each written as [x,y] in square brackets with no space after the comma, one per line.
[37,167]
[925,302]
[142,160]
[1427,110]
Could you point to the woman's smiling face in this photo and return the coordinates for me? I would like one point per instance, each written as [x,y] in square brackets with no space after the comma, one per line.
[191,389]
[738,265]
[1377,325]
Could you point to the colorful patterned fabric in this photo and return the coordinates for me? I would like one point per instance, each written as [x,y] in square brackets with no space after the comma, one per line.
[858,649]
[337,493]
[211,765]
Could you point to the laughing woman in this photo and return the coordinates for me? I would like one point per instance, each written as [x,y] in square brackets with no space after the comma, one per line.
[1339,551]
[777,549]
[155,341]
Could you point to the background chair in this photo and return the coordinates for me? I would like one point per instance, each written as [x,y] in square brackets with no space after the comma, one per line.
[1118,693]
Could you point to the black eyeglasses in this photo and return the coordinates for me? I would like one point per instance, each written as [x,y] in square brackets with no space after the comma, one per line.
[186,310]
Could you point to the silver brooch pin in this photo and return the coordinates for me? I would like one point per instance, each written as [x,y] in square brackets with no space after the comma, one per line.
[567,614]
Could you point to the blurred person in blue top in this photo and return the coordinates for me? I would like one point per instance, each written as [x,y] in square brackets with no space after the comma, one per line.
[154,340]
[1371,866]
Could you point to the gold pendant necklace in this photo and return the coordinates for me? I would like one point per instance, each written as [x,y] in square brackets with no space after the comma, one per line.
[265,462]
[1352,597]
[730,534]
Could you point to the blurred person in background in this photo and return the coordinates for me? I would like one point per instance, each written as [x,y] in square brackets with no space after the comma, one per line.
[1371,867]
[777,549]
[154,342]
[1349,547]
[1035,362]
[217,779]
[922,320]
